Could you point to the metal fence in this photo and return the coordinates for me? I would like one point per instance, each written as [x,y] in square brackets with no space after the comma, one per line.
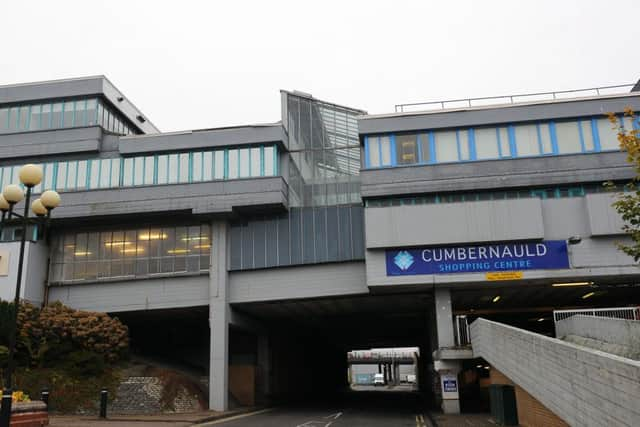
[463,335]
[628,313]
[513,99]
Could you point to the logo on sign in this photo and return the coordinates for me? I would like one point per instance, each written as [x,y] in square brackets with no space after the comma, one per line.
[403,260]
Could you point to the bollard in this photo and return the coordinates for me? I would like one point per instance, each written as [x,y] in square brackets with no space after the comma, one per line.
[103,403]
[44,396]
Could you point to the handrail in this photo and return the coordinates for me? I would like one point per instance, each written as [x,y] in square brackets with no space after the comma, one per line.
[510,99]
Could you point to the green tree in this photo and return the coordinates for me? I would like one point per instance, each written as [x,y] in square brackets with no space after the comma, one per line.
[627,204]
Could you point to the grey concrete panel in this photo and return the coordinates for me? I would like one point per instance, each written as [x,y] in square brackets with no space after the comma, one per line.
[259,134]
[495,174]
[625,333]
[582,386]
[36,272]
[47,143]
[147,294]
[480,116]
[297,282]
[444,318]
[603,219]
[565,217]
[199,198]
[449,223]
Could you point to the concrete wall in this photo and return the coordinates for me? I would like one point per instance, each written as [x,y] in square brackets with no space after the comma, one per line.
[450,223]
[33,274]
[198,198]
[298,282]
[595,257]
[148,294]
[495,174]
[624,333]
[522,112]
[584,387]
[174,141]
[54,142]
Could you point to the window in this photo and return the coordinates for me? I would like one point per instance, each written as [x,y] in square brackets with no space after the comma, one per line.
[81,113]
[184,167]
[464,142]
[219,165]
[244,163]
[34,120]
[446,145]
[56,115]
[527,140]
[91,112]
[270,161]
[406,149]
[608,135]
[385,151]
[373,145]
[132,253]
[255,162]
[425,148]
[68,115]
[207,166]
[233,167]
[149,170]
[46,117]
[163,169]
[486,143]
[4,119]
[568,136]
[23,118]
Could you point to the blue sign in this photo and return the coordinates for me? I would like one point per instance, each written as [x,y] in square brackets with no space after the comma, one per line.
[546,255]
[450,386]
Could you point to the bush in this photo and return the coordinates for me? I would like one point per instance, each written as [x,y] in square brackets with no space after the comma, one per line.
[56,334]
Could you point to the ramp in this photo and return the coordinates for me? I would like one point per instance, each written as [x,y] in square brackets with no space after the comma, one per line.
[582,386]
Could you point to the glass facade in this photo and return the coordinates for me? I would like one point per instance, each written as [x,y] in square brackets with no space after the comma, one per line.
[159,169]
[577,190]
[63,114]
[324,150]
[132,253]
[587,135]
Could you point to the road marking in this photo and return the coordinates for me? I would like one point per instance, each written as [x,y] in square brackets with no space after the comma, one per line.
[236,417]
[334,416]
[420,421]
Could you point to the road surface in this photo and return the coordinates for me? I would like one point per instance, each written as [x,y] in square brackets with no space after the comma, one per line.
[360,409]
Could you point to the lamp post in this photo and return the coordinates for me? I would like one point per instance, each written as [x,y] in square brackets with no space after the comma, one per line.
[30,176]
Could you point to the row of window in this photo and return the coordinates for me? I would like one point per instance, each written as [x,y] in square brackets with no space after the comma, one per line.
[63,114]
[524,193]
[133,253]
[158,169]
[485,143]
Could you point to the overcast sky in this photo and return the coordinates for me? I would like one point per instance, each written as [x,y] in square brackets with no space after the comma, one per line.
[198,64]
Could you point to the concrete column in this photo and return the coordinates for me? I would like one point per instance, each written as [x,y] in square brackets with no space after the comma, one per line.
[448,372]
[444,318]
[219,314]
[379,368]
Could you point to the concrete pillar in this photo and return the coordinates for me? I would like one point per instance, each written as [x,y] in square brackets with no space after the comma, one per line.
[448,371]
[379,368]
[444,318]
[219,314]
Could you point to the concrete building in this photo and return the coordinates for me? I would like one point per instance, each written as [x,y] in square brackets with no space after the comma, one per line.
[276,248]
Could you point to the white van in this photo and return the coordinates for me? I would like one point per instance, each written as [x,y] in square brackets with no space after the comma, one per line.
[378,379]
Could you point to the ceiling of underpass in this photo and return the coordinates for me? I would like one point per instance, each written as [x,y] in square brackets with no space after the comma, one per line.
[351,322]
[523,298]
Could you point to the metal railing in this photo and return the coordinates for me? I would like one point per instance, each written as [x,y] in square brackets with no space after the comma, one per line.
[513,99]
[463,335]
[627,313]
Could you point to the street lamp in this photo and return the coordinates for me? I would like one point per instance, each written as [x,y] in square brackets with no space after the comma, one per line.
[30,176]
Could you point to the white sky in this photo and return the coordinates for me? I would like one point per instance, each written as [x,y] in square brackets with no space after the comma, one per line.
[196,64]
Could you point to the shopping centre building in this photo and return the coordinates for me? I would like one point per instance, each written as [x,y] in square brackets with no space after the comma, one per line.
[277,248]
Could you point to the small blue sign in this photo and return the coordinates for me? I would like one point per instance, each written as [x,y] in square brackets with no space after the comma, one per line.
[546,255]
[450,385]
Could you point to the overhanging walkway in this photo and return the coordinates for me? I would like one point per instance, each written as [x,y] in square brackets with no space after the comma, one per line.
[582,386]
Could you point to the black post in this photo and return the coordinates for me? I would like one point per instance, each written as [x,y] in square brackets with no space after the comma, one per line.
[44,396]
[5,412]
[103,403]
